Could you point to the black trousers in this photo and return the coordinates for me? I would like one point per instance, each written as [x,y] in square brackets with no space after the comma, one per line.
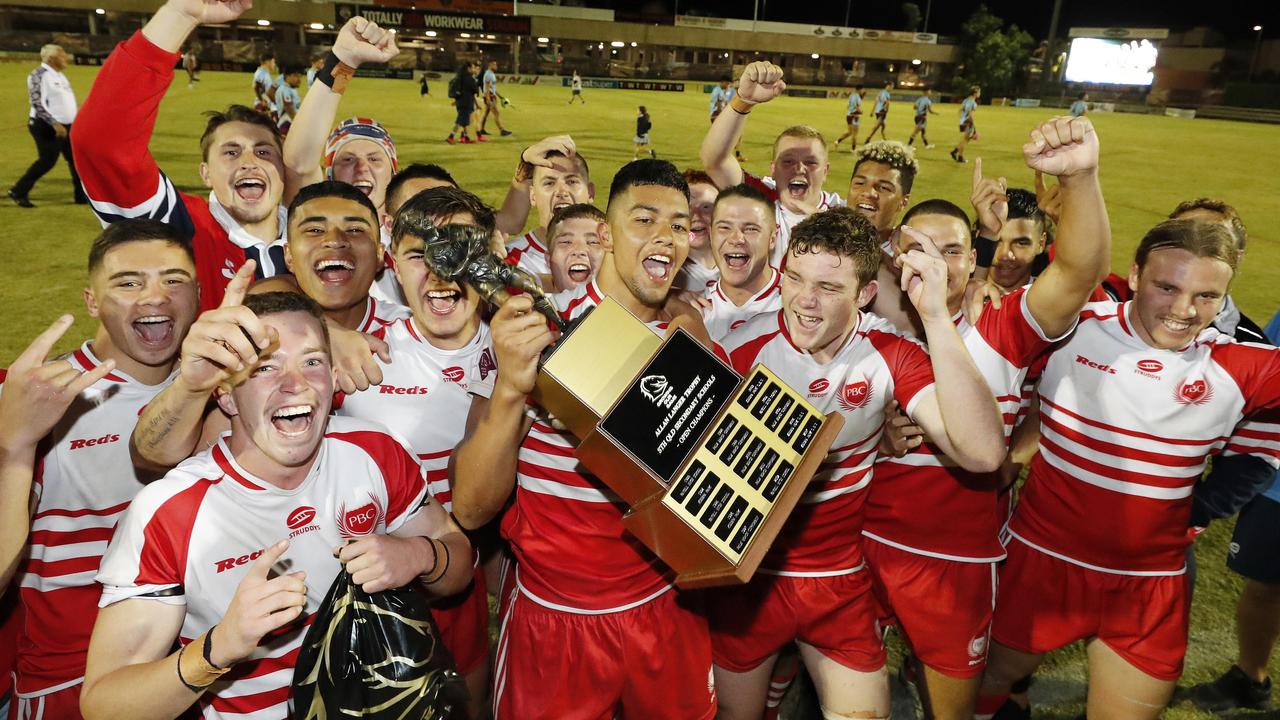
[48,147]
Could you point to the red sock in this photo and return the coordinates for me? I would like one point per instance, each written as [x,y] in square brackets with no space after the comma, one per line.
[783,675]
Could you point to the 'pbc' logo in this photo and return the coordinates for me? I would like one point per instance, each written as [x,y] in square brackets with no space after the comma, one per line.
[855,395]
[1194,392]
[361,521]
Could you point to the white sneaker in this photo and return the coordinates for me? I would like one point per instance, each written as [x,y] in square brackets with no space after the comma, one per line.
[928,147]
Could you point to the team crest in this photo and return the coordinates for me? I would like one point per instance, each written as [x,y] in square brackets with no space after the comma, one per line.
[855,395]
[487,365]
[362,520]
[454,374]
[1194,392]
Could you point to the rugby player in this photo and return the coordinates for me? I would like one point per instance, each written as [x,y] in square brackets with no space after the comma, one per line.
[742,236]
[1132,406]
[699,271]
[65,472]
[883,99]
[554,175]
[852,117]
[288,490]
[242,219]
[811,587]
[586,590]
[930,524]
[576,251]
[799,167]
[924,107]
[968,131]
[435,356]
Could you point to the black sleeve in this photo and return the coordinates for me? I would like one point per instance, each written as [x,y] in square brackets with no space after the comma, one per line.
[1231,483]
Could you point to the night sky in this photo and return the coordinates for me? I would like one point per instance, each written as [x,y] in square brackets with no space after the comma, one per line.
[1234,18]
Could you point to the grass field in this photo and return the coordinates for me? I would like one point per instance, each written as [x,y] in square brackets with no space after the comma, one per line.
[1149,164]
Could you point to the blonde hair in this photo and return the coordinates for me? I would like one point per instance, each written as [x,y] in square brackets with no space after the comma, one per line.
[49,51]
[1201,239]
[804,132]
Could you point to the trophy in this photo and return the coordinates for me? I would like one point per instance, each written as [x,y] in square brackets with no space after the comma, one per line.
[710,463]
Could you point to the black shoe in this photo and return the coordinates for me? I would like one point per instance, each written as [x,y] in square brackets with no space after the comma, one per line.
[21,200]
[1232,691]
[954,156]
[653,155]
[505,133]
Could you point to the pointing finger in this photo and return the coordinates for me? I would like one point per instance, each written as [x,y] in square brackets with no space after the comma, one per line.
[262,566]
[239,285]
[977,172]
[38,350]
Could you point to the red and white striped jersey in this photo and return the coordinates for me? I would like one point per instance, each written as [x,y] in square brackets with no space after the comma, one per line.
[424,397]
[784,218]
[1125,433]
[380,313]
[200,527]
[875,366]
[724,315]
[565,526]
[84,480]
[696,277]
[923,502]
[386,286]
[529,254]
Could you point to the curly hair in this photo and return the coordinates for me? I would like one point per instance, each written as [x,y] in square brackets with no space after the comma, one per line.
[894,154]
[844,232]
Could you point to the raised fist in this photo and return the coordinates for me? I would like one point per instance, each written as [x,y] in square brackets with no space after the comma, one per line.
[761,82]
[211,12]
[1063,146]
[362,41]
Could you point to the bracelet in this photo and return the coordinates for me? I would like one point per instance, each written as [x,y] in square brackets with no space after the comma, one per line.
[986,250]
[335,73]
[435,560]
[193,688]
[740,106]
[444,570]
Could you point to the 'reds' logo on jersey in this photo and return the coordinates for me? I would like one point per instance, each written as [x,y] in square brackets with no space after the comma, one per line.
[1194,392]
[362,520]
[855,395]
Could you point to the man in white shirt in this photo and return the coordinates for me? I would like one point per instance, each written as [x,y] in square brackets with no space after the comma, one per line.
[53,108]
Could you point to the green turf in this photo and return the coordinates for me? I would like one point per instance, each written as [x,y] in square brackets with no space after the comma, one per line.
[1149,164]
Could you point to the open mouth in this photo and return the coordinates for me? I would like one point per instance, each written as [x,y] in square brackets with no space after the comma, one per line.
[737,261]
[808,322]
[1175,326]
[443,302]
[798,188]
[251,189]
[658,267]
[335,271]
[866,208]
[293,420]
[364,186]
[154,329]
[560,204]
[580,272]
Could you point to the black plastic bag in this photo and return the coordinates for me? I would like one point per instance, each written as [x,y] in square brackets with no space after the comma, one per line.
[375,656]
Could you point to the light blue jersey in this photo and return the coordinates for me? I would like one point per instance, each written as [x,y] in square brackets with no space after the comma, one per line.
[263,83]
[855,104]
[882,102]
[490,83]
[1079,108]
[966,110]
[287,103]
[720,98]
[923,103]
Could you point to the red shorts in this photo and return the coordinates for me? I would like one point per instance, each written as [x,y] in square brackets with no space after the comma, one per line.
[943,607]
[837,615]
[59,704]
[463,620]
[1046,603]
[652,661]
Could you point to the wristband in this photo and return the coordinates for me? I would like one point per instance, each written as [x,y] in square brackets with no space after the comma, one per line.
[435,561]
[193,688]
[207,671]
[986,250]
[335,73]
[208,649]
[740,106]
